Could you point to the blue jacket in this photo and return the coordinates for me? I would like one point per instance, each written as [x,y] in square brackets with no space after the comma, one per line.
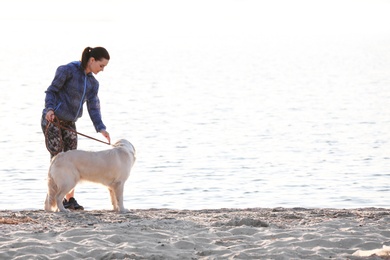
[68,92]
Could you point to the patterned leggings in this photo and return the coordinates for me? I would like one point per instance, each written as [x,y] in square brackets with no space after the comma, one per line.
[59,139]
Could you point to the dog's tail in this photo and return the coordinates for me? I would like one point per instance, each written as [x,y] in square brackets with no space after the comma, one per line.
[52,190]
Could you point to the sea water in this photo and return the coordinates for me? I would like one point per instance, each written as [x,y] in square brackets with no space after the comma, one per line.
[225,112]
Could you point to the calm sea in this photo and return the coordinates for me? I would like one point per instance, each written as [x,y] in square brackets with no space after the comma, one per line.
[227,104]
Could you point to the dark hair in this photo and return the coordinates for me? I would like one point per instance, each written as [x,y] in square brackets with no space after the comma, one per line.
[98,53]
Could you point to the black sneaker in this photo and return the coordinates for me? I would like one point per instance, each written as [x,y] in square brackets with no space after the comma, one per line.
[72,204]
[66,204]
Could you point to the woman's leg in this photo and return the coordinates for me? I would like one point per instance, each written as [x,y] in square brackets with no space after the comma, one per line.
[69,137]
[70,195]
[70,143]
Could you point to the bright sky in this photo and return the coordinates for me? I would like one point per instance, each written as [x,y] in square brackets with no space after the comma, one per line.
[207,17]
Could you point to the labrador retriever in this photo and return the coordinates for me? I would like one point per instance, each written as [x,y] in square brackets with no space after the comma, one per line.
[109,167]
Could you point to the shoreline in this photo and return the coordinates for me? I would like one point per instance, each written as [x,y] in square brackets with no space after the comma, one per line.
[252,233]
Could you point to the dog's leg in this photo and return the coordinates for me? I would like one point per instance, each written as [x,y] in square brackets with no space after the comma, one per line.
[63,189]
[60,206]
[114,200]
[66,181]
[47,204]
[118,190]
[52,189]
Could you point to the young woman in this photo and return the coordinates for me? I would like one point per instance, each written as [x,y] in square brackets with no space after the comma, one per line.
[73,85]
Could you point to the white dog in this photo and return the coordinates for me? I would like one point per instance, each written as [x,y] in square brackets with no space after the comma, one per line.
[109,167]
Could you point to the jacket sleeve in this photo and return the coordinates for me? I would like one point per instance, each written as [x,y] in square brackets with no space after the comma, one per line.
[58,82]
[93,105]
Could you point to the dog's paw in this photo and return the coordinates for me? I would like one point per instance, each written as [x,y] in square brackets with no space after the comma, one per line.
[64,210]
[123,211]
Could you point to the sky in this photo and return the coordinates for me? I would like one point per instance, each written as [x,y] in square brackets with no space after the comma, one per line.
[201,18]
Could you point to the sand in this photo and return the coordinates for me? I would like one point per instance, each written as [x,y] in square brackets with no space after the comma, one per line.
[255,233]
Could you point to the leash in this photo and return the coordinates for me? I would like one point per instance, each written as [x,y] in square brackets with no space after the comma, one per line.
[57,123]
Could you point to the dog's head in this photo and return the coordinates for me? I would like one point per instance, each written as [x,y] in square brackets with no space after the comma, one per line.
[126,145]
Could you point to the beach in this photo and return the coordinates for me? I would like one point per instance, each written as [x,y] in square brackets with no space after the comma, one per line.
[253,233]
[261,129]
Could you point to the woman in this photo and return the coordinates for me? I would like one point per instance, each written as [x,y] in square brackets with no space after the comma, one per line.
[73,85]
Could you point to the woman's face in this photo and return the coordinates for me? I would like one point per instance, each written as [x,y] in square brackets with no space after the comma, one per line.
[95,66]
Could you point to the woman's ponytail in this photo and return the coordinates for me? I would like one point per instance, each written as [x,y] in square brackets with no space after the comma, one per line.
[85,57]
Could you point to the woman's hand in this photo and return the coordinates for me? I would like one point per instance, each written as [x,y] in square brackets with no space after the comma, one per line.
[106,135]
[50,116]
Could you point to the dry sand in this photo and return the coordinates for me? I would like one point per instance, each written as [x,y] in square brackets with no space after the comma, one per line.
[256,233]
